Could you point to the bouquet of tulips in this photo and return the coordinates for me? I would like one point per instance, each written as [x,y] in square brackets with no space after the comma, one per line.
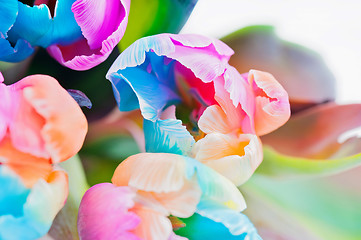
[185,132]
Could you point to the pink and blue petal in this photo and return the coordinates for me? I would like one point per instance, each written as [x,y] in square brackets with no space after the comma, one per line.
[102,25]
[152,56]
[112,204]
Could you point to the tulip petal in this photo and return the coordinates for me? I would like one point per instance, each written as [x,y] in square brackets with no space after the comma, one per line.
[167,136]
[112,204]
[214,119]
[164,172]
[63,133]
[41,205]
[9,10]
[272,105]
[153,226]
[153,95]
[28,167]
[237,223]
[40,28]
[236,158]
[214,186]
[21,49]
[152,57]
[18,53]
[164,180]
[199,227]
[315,133]
[301,71]
[102,32]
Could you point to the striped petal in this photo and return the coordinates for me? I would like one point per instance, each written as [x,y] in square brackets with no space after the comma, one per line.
[167,136]
[102,24]
[147,66]
[165,179]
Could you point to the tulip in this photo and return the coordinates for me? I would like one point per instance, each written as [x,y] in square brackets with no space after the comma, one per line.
[192,72]
[315,142]
[301,146]
[40,126]
[148,187]
[79,34]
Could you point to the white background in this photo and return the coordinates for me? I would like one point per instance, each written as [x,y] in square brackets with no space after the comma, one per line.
[330,27]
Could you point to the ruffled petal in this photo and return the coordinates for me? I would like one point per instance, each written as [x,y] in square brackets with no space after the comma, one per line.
[272,105]
[237,223]
[152,96]
[236,99]
[38,207]
[236,158]
[167,136]
[113,205]
[63,133]
[165,179]
[214,186]
[164,172]
[200,227]
[152,56]
[102,32]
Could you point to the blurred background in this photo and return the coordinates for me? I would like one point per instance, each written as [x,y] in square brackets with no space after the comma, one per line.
[332,28]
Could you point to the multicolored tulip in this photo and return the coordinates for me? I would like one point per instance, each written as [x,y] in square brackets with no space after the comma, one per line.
[192,72]
[79,34]
[316,141]
[40,126]
[301,146]
[149,187]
